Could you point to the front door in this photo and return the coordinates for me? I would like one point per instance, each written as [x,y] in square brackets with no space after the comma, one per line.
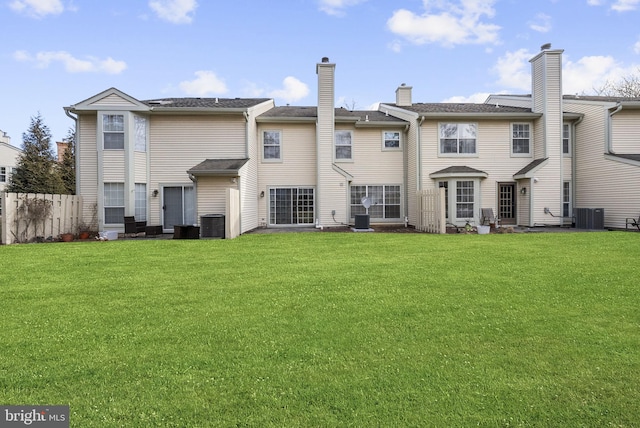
[507,203]
[179,206]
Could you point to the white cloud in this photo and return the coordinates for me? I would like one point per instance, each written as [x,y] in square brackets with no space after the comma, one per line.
[595,2]
[37,8]
[625,5]
[72,64]
[636,47]
[479,98]
[336,7]
[452,24]
[541,23]
[514,71]
[293,90]
[205,83]
[174,11]
[583,76]
[395,46]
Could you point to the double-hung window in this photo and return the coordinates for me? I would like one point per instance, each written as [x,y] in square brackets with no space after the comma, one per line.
[458,138]
[141,133]
[114,203]
[390,140]
[343,145]
[3,174]
[566,139]
[271,145]
[113,131]
[566,199]
[464,199]
[520,139]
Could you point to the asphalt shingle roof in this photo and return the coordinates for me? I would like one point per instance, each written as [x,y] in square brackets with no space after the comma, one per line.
[312,113]
[468,108]
[205,103]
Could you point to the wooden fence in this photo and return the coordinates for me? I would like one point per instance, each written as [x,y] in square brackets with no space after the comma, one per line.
[431,211]
[30,217]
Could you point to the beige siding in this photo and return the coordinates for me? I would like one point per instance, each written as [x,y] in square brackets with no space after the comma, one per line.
[212,194]
[493,157]
[8,159]
[602,182]
[111,101]
[625,132]
[297,166]
[113,166]
[249,200]
[140,174]
[87,161]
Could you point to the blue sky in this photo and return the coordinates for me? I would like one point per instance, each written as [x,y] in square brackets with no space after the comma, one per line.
[55,53]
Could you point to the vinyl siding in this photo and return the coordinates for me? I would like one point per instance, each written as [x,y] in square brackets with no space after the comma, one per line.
[113,166]
[140,173]
[601,182]
[249,203]
[215,190]
[111,101]
[493,146]
[87,163]
[297,166]
[625,132]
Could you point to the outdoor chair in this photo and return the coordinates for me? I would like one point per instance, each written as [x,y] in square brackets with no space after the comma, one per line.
[487,218]
[633,222]
[133,226]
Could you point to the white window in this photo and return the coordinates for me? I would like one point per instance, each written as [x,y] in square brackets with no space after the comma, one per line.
[458,138]
[141,133]
[520,139]
[566,139]
[390,140]
[465,199]
[271,145]
[113,131]
[385,201]
[141,202]
[343,145]
[566,199]
[114,203]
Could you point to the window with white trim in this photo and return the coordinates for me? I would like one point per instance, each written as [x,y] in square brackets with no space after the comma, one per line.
[385,201]
[390,140]
[458,138]
[343,141]
[566,139]
[141,202]
[465,199]
[520,138]
[3,174]
[113,203]
[566,199]
[113,131]
[271,145]
[141,133]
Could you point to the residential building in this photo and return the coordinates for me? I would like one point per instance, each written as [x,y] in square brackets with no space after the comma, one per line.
[531,158]
[8,160]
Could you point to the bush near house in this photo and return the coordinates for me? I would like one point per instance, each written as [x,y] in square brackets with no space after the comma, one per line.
[322,329]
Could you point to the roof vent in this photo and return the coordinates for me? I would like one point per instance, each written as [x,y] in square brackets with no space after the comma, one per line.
[545,46]
[325,59]
[217,100]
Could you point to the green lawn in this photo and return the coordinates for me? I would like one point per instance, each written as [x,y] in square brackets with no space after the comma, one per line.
[327,329]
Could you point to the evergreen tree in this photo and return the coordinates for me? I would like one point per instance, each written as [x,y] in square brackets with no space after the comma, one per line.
[67,168]
[36,170]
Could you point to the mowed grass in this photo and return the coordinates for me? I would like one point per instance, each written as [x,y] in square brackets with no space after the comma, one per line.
[327,329]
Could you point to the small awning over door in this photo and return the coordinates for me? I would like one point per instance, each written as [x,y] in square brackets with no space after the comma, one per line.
[218,168]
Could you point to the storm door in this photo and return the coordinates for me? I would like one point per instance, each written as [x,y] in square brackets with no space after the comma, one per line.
[507,203]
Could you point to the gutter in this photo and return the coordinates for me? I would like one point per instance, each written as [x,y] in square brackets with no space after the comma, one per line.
[419,153]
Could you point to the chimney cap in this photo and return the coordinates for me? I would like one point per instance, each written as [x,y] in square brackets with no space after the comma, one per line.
[325,59]
[545,46]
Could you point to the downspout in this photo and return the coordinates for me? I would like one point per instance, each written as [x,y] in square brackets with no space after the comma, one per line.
[574,177]
[405,163]
[75,146]
[419,154]
[246,150]
[608,143]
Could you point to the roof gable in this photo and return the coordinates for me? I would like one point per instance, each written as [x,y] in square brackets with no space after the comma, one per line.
[111,99]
